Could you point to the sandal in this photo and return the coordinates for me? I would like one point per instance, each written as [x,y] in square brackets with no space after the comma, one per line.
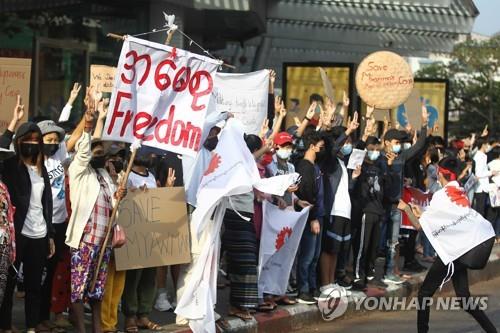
[243,314]
[222,325]
[149,325]
[266,307]
[131,325]
[285,300]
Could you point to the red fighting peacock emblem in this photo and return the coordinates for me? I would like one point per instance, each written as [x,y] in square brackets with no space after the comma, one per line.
[214,164]
[457,196]
[282,237]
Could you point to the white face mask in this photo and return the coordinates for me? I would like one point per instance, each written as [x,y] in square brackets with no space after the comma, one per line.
[406,145]
[284,154]
[488,148]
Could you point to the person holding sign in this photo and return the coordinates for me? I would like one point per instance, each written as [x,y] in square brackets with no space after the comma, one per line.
[140,284]
[93,194]
[444,204]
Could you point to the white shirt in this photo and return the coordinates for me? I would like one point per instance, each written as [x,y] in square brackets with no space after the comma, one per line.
[34,224]
[482,172]
[56,173]
[342,202]
[137,180]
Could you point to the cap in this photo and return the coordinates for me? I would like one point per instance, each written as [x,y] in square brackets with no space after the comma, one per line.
[282,138]
[49,126]
[394,134]
[26,128]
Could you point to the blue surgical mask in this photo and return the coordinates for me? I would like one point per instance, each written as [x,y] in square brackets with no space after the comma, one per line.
[406,145]
[346,149]
[396,148]
[373,155]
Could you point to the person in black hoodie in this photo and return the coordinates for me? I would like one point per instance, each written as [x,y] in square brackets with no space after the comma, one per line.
[370,189]
[28,182]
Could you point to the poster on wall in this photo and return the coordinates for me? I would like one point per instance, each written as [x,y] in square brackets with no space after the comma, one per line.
[301,80]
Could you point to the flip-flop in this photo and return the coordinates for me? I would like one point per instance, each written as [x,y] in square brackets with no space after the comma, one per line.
[242,314]
[285,300]
[131,329]
[150,326]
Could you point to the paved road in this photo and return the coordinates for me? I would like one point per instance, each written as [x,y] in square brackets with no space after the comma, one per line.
[405,321]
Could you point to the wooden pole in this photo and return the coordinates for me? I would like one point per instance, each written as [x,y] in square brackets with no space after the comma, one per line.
[113,218]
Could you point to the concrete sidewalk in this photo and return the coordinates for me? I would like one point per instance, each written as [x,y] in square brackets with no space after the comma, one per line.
[295,317]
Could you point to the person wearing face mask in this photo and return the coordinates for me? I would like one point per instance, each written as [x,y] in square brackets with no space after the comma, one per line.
[336,236]
[483,174]
[54,151]
[369,189]
[395,158]
[310,190]
[93,195]
[28,183]
[140,284]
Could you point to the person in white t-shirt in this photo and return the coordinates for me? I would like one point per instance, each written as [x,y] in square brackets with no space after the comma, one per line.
[483,174]
[54,151]
[140,284]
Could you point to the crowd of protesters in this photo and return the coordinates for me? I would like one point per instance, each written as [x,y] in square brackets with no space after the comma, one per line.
[60,183]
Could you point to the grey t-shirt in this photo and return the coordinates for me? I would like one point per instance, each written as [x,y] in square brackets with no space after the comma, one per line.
[242,202]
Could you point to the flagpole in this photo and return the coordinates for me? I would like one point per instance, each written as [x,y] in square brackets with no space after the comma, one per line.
[122,185]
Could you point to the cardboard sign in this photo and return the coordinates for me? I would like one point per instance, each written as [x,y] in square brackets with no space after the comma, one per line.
[160,97]
[14,80]
[244,95]
[156,225]
[102,77]
[384,80]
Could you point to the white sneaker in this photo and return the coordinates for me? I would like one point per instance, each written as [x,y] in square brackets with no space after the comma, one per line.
[162,304]
[343,291]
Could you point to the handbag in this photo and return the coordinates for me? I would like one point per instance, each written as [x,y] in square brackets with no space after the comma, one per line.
[119,238]
[477,257]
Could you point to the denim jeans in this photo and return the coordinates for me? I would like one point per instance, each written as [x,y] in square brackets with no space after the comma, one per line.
[307,259]
[393,225]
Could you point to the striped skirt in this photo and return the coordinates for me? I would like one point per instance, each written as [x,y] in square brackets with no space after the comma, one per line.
[240,244]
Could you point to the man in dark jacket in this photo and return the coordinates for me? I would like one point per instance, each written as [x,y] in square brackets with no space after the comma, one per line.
[395,158]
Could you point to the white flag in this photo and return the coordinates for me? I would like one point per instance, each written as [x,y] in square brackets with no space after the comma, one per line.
[451,225]
[280,238]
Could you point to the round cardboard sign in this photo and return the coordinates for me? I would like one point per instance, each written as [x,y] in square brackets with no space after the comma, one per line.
[384,80]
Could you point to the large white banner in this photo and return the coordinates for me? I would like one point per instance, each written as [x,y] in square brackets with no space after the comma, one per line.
[279,241]
[244,95]
[160,97]
[451,225]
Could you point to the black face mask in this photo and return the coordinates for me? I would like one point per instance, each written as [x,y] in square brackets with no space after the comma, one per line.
[30,150]
[98,162]
[211,143]
[49,149]
[118,166]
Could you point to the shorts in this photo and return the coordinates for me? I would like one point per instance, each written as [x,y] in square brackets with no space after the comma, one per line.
[336,235]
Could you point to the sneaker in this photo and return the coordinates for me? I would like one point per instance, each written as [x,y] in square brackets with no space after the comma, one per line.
[414,266]
[343,291]
[378,283]
[370,277]
[359,285]
[345,282]
[306,298]
[162,304]
[291,291]
[316,294]
[394,279]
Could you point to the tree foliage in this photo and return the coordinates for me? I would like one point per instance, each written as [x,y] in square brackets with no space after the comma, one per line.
[474,78]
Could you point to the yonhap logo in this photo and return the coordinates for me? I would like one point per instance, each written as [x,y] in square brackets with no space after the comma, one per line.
[333,303]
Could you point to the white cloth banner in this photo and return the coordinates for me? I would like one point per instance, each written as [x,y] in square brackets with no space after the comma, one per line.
[160,97]
[451,225]
[279,242]
[244,95]
[231,171]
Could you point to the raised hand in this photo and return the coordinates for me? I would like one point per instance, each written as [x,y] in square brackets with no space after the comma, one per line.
[425,115]
[171,177]
[18,109]
[485,131]
[369,111]
[356,172]
[345,99]
[353,124]
[74,93]
[277,103]
[264,129]
[311,110]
